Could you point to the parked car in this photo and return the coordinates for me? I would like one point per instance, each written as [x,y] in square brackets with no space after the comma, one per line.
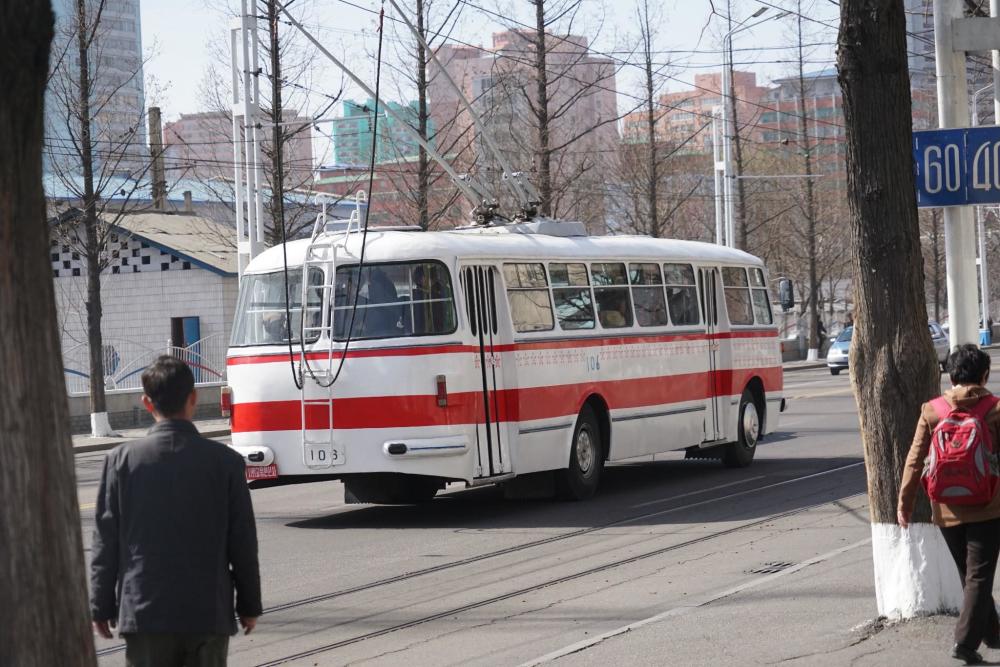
[840,348]
[940,339]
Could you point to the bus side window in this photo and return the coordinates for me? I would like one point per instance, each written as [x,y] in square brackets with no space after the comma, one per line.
[493,299]
[431,299]
[571,293]
[611,292]
[647,295]
[528,294]
[682,294]
[737,289]
[761,303]
[469,285]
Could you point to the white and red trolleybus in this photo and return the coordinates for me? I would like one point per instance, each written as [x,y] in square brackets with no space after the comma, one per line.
[483,354]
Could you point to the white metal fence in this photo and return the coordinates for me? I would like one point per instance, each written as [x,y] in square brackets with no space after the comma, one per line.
[124,361]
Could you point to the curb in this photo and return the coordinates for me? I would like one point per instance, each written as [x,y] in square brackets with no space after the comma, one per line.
[111,444]
[804,367]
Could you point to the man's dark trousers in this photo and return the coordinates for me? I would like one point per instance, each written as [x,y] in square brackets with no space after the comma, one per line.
[975,548]
[176,650]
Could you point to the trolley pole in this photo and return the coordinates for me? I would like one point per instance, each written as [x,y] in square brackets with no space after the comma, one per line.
[959,227]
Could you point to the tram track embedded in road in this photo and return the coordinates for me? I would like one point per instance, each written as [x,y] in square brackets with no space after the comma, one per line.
[324,597]
[537,587]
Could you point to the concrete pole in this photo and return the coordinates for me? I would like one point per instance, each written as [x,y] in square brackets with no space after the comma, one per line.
[242,240]
[959,229]
[254,117]
[984,287]
[718,169]
[994,12]
[249,133]
[728,132]
[984,282]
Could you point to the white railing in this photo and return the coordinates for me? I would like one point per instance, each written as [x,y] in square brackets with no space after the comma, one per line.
[124,361]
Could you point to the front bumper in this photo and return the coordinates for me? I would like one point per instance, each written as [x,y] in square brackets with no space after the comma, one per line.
[837,363]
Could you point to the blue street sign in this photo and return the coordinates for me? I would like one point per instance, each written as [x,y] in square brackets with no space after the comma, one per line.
[957,167]
[939,167]
[982,164]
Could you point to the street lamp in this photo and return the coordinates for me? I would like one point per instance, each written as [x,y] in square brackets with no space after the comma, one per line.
[726,228]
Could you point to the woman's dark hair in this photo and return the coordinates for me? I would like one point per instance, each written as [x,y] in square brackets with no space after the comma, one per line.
[168,382]
[968,364]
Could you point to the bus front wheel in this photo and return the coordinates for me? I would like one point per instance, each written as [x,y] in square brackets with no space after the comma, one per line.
[586,459]
[739,454]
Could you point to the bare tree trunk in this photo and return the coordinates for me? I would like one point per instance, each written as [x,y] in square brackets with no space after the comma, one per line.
[542,154]
[277,231]
[46,602]
[92,241]
[894,369]
[423,162]
[741,202]
[810,200]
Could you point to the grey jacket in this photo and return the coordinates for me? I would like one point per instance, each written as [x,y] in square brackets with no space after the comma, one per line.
[175,536]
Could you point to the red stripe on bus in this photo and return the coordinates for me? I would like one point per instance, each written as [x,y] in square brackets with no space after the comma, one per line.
[509,404]
[406,351]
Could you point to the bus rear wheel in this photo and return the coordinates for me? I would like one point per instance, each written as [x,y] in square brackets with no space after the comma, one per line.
[580,479]
[739,454]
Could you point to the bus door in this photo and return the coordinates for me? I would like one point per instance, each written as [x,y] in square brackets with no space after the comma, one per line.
[485,307]
[709,290]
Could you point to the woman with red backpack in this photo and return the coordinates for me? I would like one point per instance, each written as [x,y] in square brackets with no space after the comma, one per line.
[953,454]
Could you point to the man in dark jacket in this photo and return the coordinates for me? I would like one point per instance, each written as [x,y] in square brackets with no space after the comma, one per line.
[175,535]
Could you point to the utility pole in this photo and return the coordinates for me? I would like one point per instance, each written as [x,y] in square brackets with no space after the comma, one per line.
[719,172]
[805,144]
[729,128]
[246,136]
[959,230]
[994,13]
[984,285]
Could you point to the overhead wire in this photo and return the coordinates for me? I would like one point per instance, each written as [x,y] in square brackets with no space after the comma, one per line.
[364,231]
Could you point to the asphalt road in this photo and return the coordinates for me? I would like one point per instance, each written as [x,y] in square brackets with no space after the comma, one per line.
[474,579]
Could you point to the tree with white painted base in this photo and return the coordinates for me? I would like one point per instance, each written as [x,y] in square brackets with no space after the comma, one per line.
[95,149]
[42,588]
[893,364]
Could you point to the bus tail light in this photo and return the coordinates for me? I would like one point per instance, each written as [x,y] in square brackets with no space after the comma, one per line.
[226,402]
[442,391]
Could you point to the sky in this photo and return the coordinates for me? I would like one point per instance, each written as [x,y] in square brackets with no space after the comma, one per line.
[183,38]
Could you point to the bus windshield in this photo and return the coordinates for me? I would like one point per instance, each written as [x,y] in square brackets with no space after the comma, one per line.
[260,313]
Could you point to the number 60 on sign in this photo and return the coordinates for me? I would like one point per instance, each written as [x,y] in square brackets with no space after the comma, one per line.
[957,167]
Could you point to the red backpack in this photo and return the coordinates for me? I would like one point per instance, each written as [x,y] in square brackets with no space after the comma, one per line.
[961,467]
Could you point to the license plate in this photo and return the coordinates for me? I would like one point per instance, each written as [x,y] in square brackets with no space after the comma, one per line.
[324,456]
[262,472]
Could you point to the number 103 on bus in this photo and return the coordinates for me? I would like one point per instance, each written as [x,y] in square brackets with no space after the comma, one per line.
[323,456]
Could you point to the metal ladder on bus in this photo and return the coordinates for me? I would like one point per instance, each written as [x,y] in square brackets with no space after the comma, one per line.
[321,253]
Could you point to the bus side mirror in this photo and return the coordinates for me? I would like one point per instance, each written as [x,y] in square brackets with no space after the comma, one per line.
[786,294]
